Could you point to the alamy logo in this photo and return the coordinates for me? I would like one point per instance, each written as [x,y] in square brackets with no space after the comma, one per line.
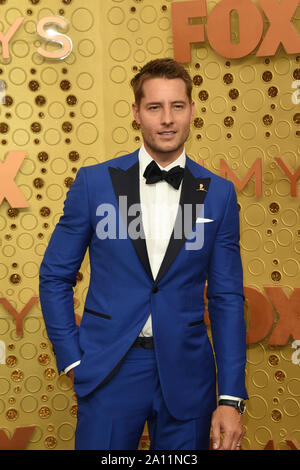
[296,94]
[2,92]
[137,221]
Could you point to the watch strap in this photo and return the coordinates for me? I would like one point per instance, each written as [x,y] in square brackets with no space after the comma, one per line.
[239,405]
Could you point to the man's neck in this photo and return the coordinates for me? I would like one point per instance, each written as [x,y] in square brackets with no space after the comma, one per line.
[164,158]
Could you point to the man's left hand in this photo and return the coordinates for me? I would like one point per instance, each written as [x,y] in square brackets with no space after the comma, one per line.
[227,421]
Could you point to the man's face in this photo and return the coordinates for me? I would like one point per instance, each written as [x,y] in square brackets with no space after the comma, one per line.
[164,114]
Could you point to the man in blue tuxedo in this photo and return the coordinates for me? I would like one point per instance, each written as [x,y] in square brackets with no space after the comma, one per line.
[158,226]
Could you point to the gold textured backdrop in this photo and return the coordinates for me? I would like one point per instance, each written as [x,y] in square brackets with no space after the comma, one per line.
[77,111]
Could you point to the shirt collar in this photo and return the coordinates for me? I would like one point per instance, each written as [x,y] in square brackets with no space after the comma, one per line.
[145,159]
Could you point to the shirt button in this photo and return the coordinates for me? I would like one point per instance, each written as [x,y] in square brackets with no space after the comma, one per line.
[154,289]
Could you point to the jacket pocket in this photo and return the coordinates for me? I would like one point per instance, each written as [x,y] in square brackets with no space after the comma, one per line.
[102,315]
[194,323]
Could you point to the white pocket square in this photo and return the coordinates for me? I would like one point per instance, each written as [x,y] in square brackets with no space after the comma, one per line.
[202,219]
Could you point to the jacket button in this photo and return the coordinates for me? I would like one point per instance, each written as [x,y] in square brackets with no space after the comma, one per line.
[154,289]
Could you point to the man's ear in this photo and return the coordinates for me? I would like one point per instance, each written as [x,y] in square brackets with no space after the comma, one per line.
[135,111]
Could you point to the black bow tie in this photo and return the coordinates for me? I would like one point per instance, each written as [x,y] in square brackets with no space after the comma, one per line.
[153,174]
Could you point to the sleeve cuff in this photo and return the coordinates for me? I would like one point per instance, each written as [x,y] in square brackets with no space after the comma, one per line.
[229,397]
[71,366]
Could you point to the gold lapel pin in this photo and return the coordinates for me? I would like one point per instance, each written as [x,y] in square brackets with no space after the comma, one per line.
[201,188]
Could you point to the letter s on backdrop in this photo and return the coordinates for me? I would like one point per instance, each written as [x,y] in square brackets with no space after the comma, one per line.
[51,35]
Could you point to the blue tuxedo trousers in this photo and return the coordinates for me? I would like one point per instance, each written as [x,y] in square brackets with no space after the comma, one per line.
[113,416]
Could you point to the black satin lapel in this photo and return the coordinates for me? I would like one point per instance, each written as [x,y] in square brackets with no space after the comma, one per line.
[193,193]
[126,183]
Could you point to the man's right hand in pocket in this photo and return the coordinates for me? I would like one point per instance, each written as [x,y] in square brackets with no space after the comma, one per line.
[69,371]
[71,375]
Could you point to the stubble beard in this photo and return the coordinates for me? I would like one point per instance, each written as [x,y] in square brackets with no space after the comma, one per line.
[162,151]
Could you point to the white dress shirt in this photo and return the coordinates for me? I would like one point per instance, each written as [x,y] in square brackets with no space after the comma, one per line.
[159,206]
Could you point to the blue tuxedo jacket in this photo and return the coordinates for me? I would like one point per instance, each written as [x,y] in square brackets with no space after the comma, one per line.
[122,291]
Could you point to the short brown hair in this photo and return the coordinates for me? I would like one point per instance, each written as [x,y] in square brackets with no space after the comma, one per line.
[163,68]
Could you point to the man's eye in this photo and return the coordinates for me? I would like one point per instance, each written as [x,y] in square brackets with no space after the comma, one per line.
[154,107]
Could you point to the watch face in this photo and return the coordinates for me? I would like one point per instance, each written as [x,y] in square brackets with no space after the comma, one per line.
[242,406]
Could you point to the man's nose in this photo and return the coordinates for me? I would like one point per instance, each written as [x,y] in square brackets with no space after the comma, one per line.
[167,116]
